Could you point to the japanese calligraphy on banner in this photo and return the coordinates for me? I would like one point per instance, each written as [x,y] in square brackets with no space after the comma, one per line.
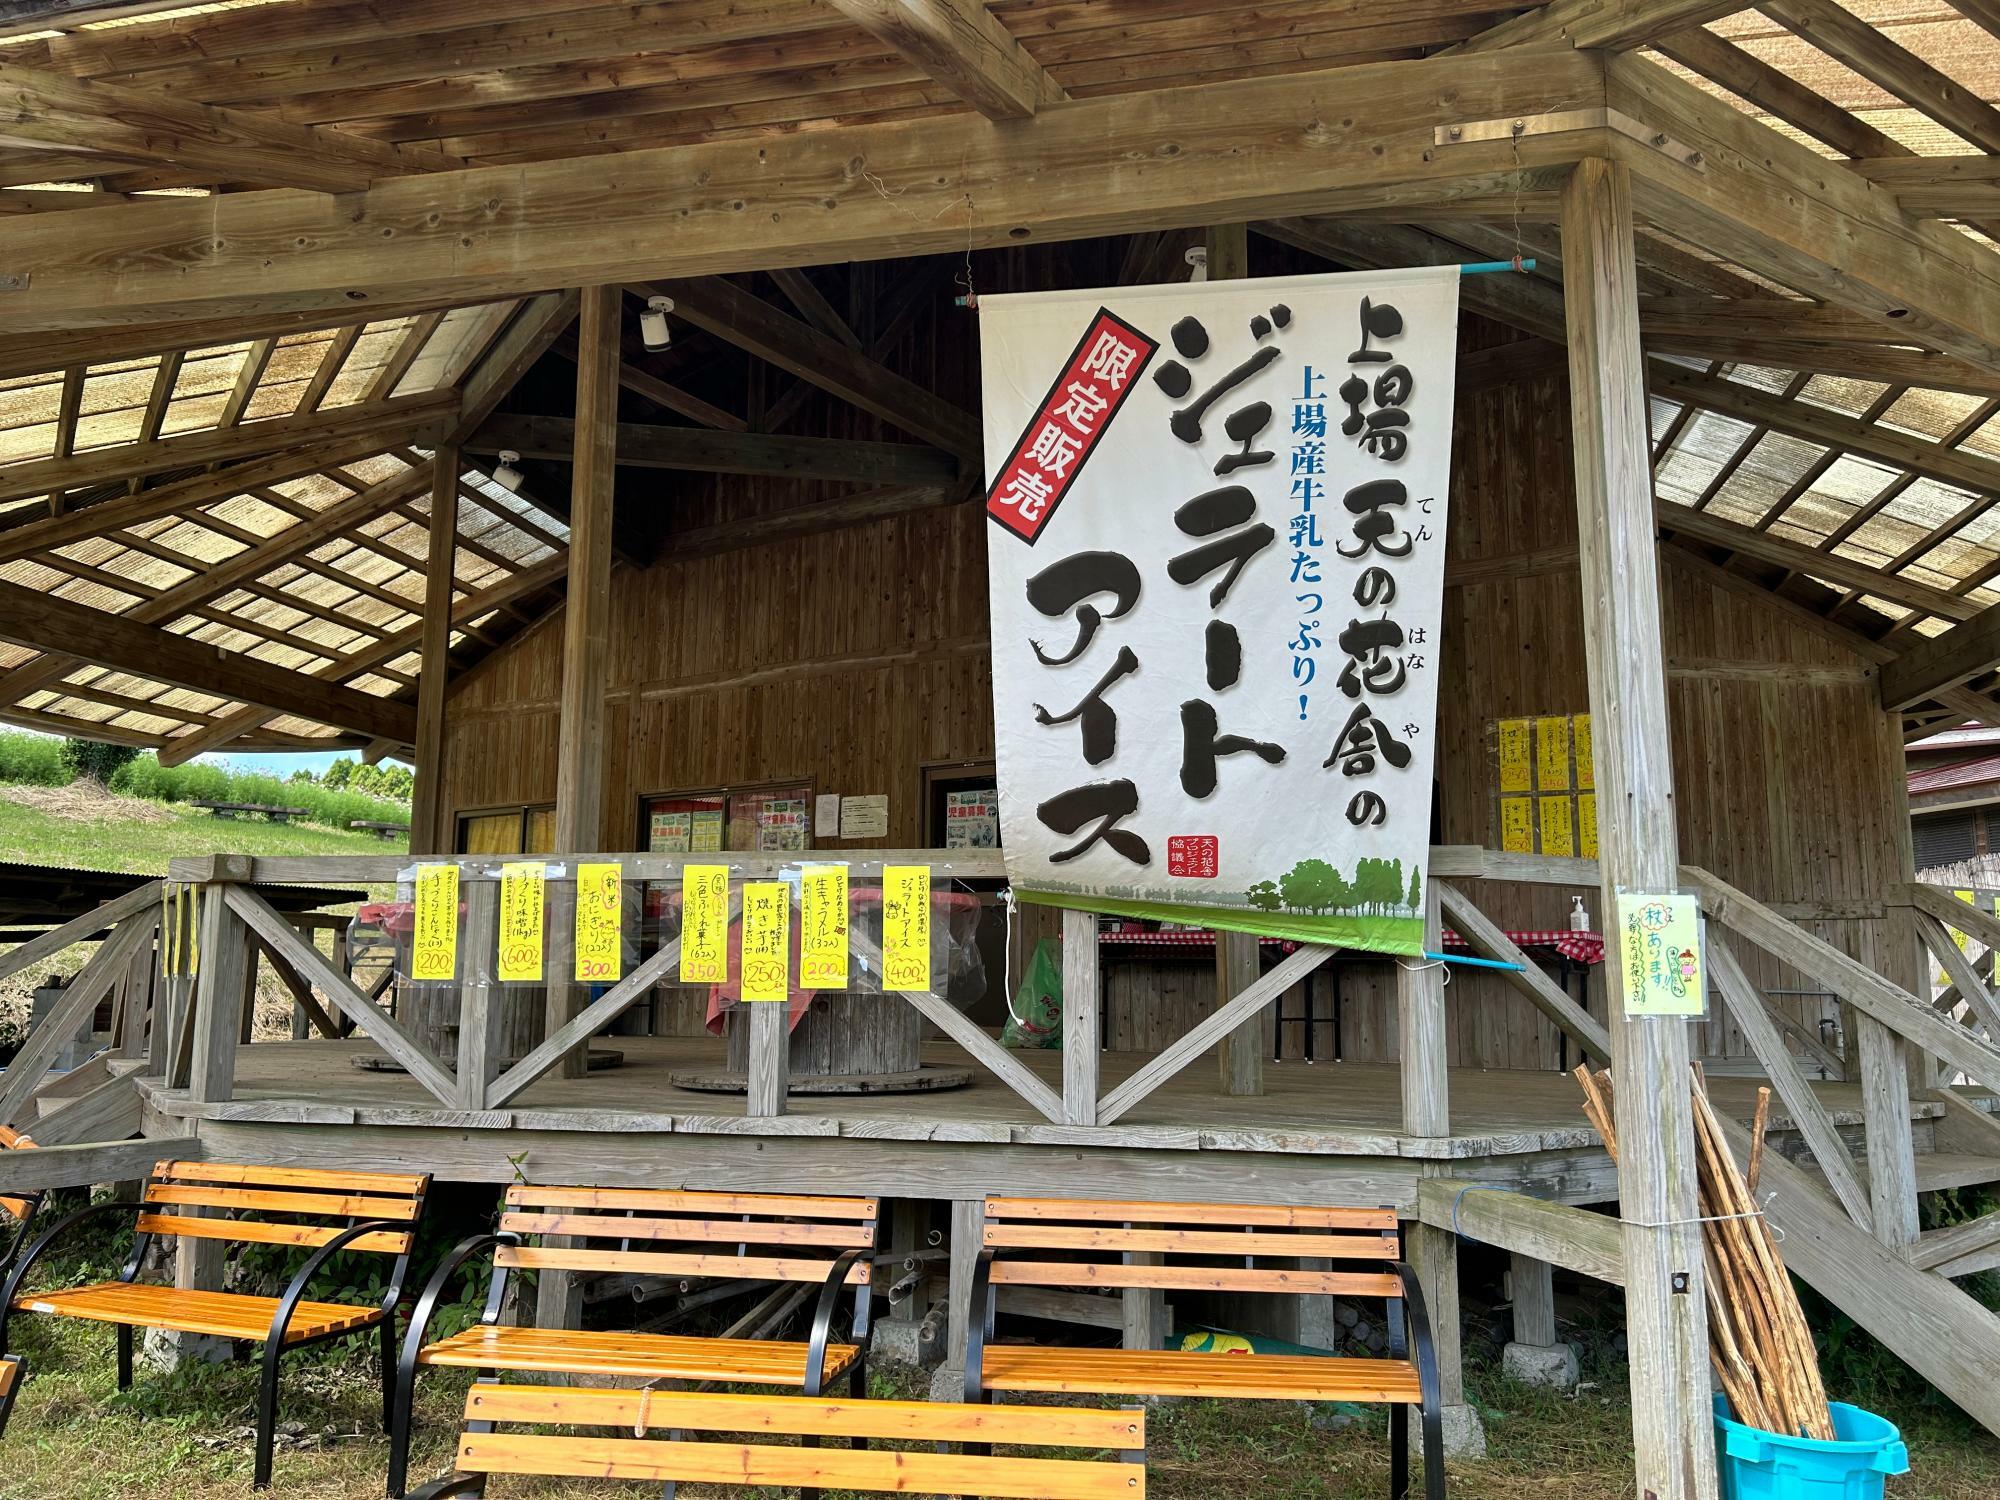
[767,942]
[704,924]
[1216,568]
[823,927]
[600,896]
[434,942]
[906,927]
[1659,954]
[521,904]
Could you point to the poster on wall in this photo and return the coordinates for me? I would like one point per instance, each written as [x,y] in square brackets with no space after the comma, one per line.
[1216,566]
[972,819]
[669,833]
[781,825]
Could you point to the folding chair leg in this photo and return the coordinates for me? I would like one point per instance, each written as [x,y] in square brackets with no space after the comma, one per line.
[857,1390]
[809,1441]
[124,1356]
[267,1415]
[1433,1454]
[1399,1451]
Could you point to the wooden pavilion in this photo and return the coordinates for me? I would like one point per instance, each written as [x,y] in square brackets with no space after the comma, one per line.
[289,287]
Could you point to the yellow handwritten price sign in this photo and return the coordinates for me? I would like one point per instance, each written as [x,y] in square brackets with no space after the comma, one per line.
[600,951]
[522,893]
[704,924]
[767,941]
[1659,954]
[1558,836]
[1517,825]
[1586,825]
[906,927]
[1515,772]
[1586,763]
[434,946]
[1552,754]
[823,927]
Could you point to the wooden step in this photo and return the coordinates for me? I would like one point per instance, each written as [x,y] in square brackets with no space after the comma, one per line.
[1937,1170]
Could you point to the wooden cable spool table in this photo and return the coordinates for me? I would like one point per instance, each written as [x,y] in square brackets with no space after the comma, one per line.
[857,1041]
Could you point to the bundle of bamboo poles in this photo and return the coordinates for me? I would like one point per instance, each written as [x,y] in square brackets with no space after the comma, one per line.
[1758,1340]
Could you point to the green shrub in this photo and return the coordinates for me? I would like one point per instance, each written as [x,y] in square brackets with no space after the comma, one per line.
[33,758]
[146,777]
[98,759]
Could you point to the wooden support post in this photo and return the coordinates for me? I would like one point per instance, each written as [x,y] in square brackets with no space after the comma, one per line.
[1083,999]
[1673,1429]
[479,996]
[218,1000]
[246,1005]
[427,819]
[770,1058]
[1144,1321]
[968,1215]
[1892,1151]
[586,616]
[1534,1295]
[1241,1055]
[1421,1031]
[1905,962]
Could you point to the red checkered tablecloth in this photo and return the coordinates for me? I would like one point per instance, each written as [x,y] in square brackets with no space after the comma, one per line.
[1577,947]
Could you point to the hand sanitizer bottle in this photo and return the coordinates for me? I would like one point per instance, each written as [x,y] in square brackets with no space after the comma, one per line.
[1579,919]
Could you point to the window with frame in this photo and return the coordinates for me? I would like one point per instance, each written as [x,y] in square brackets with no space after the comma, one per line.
[508,830]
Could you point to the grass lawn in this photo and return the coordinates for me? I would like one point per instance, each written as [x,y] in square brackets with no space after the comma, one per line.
[98,830]
[74,1437]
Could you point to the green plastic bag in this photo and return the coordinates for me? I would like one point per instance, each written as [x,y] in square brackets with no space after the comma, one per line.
[1034,1014]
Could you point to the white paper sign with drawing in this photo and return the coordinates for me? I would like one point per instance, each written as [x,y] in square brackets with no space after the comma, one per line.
[1216,562]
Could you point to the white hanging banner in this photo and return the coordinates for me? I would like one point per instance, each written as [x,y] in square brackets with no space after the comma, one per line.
[1217,564]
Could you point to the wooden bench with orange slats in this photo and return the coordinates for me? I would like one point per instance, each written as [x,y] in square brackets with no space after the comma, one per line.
[769,1237]
[1211,1247]
[19,1210]
[319,1212]
[629,1450]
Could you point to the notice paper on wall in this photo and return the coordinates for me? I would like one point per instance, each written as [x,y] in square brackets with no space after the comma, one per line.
[906,928]
[826,815]
[767,941]
[434,943]
[600,895]
[823,927]
[1660,963]
[865,817]
[521,904]
[704,924]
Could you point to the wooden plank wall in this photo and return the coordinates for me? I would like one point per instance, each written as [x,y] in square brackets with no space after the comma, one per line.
[853,658]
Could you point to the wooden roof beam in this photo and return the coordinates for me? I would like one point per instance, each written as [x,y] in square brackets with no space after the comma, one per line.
[1949,660]
[550,572]
[1613,25]
[44,110]
[232,572]
[961,45]
[1829,429]
[644,446]
[1776,207]
[30,617]
[754,325]
[1246,149]
[405,419]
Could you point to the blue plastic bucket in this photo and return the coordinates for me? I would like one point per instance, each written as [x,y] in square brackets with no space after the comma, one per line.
[1759,1465]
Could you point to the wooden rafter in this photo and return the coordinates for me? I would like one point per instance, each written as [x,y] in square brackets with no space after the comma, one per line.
[45,110]
[47,623]
[245,567]
[961,45]
[400,420]
[694,448]
[1956,656]
[1614,25]
[547,574]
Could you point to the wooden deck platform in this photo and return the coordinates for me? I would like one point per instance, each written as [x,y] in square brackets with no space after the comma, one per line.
[1330,1129]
